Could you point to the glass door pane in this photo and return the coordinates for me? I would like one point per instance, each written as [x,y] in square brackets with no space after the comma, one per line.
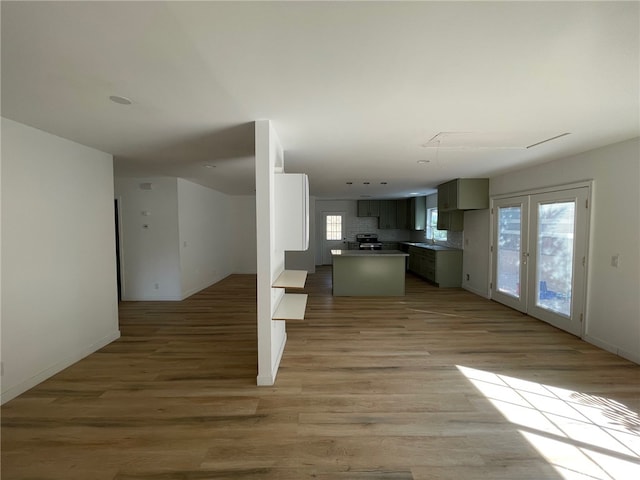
[555,256]
[509,250]
[510,247]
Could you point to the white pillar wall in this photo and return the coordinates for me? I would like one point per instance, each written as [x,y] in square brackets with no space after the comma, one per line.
[272,335]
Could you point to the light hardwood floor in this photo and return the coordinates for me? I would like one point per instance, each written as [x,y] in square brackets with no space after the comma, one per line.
[438,384]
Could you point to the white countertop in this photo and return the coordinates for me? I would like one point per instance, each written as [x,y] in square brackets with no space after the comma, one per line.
[369,253]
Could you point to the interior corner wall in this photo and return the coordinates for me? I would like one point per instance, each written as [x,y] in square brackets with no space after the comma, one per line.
[613,308]
[150,258]
[205,227]
[59,295]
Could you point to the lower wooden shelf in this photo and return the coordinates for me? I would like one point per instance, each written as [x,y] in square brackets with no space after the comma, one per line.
[291,307]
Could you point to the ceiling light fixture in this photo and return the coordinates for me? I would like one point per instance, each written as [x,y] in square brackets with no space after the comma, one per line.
[383,183]
[548,139]
[120,100]
[208,165]
[366,183]
[423,162]
[349,183]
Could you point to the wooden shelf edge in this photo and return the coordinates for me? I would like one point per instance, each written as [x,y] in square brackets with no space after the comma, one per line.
[291,279]
[291,307]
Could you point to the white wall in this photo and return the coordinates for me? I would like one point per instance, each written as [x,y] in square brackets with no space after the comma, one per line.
[272,335]
[59,299]
[613,307]
[194,237]
[243,212]
[475,261]
[206,236]
[150,258]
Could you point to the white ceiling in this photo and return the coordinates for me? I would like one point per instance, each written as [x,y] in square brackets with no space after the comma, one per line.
[357,91]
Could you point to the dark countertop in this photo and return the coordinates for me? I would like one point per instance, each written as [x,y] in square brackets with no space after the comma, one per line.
[429,246]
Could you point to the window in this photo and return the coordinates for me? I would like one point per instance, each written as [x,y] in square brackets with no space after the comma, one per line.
[334,227]
[432,226]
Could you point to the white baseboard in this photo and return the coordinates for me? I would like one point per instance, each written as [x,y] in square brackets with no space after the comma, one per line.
[266,380]
[476,291]
[633,357]
[18,389]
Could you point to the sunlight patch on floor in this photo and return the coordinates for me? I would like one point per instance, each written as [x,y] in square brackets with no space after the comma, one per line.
[583,436]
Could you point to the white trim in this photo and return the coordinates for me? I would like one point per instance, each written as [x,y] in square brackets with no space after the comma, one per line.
[480,293]
[40,377]
[589,185]
[553,188]
[632,357]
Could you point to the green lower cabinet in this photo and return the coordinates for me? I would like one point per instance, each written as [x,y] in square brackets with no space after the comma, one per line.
[442,267]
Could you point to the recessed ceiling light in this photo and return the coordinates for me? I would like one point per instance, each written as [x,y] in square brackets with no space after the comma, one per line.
[383,183]
[423,162]
[366,183]
[208,165]
[120,100]
[349,183]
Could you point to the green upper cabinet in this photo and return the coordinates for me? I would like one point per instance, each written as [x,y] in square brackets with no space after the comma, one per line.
[463,194]
[402,214]
[452,221]
[368,208]
[418,213]
[388,215]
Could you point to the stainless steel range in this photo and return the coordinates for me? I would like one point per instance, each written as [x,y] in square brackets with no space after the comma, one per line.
[368,241]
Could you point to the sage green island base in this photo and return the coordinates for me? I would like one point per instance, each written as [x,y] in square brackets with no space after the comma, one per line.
[368,273]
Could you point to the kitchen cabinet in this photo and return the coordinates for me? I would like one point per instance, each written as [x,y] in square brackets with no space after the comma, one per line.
[452,221]
[463,194]
[418,213]
[402,214]
[388,215]
[368,208]
[292,211]
[439,265]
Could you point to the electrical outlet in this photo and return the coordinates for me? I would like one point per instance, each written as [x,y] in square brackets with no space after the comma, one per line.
[615,260]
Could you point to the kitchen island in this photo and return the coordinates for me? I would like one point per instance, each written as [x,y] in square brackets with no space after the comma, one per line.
[368,272]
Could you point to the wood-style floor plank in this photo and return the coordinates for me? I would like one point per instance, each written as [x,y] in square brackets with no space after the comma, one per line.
[394,388]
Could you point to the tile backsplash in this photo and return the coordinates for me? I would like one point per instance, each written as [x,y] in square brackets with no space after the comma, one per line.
[357,225]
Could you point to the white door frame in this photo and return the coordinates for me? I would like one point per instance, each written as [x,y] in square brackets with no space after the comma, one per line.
[328,245]
[582,192]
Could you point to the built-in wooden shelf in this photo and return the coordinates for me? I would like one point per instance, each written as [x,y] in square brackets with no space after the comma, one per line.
[291,279]
[291,307]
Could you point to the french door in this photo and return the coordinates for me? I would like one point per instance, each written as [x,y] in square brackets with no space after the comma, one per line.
[539,255]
